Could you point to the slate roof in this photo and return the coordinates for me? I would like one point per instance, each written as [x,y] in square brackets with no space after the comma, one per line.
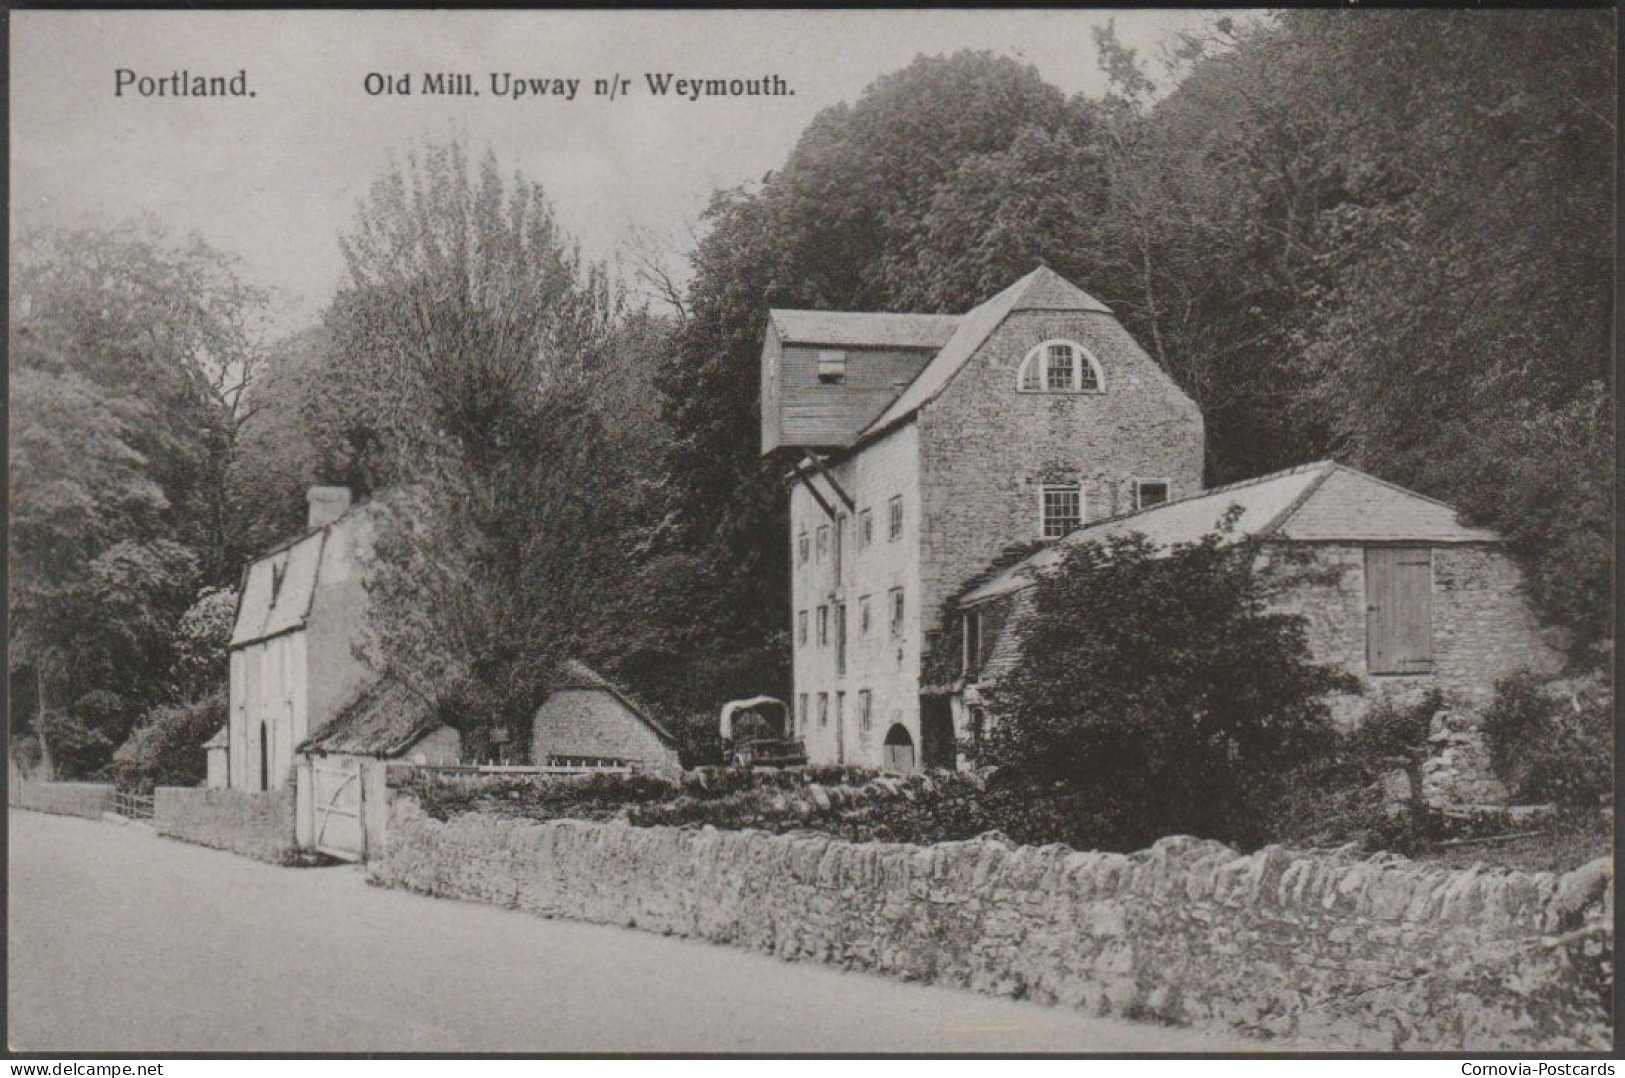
[854,329]
[279,584]
[578,675]
[1319,502]
[385,720]
[1041,290]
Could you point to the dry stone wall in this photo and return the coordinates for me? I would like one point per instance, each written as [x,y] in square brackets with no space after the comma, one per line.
[254,824]
[1335,951]
[87,799]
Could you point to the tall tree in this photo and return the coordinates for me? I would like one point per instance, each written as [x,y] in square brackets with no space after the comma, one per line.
[473,335]
[130,355]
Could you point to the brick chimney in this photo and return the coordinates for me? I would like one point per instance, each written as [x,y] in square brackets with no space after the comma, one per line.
[327,504]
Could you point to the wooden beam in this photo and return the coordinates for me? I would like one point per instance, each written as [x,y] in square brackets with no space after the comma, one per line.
[829,510]
[818,461]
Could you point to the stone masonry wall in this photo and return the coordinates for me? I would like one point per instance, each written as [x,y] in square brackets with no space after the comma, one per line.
[87,799]
[254,824]
[986,449]
[1335,951]
[1482,631]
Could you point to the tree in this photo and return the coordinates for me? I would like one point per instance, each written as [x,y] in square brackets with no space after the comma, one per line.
[1165,685]
[130,357]
[474,336]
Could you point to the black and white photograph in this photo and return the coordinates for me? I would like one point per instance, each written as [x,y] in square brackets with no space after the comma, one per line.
[811,533]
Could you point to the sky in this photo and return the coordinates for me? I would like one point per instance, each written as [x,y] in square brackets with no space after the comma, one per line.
[274,179]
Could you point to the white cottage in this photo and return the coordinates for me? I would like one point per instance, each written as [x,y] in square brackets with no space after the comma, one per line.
[293,665]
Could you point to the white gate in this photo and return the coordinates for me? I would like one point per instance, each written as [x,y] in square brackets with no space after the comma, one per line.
[336,795]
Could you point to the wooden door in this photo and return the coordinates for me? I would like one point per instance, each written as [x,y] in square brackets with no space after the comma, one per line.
[1399,610]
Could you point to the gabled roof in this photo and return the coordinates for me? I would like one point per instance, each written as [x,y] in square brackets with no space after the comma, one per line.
[220,740]
[578,675]
[1041,290]
[385,720]
[279,585]
[1319,502]
[277,590]
[854,329]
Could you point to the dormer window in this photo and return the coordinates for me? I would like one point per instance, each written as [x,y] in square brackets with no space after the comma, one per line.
[1060,367]
[831,366]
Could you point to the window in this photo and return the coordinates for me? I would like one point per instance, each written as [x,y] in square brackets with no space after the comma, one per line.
[1149,492]
[894,509]
[801,629]
[823,709]
[840,529]
[1061,509]
[865,710]
[973,643]
[1399,610]
[897,611]
[840,639]
[1060,367]
[866,528]
[802,546]
[840,715]
[823,541]
[801,712]
[831,366]
[823,626]
[978,728]
[863,615]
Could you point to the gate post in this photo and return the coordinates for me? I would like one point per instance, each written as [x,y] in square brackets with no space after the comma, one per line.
[304,794]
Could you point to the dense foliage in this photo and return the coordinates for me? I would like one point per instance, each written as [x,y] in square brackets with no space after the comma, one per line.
[165,749]
[1164,684]
[1549,745]
[129,356]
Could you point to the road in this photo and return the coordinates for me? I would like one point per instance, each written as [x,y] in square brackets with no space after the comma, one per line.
[123,941]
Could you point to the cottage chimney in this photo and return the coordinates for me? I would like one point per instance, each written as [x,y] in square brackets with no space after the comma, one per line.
[327,504]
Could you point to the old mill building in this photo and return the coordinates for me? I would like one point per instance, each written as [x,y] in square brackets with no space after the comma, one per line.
[923,445]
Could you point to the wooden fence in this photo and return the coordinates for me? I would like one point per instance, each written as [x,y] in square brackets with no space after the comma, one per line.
[133,806]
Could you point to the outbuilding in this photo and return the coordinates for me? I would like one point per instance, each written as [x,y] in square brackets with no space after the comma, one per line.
[1402,594]
[589,721]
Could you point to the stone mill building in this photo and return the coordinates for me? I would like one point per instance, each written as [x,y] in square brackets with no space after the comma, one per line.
[921,446]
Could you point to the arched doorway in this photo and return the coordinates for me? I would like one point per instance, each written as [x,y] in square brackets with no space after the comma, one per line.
[899,749]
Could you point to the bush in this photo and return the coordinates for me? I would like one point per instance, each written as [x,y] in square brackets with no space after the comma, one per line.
[1165,685]
[166,749]
[1548,748]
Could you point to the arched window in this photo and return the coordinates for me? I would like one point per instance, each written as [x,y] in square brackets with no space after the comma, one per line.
[265,759]
[1060,367]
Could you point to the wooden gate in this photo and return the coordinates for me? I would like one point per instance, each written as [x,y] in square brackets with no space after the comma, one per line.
[336,795]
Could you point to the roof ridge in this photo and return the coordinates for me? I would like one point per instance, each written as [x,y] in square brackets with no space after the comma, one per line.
[1296,469]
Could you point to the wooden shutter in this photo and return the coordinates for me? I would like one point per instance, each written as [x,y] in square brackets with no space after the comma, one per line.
[1399,610]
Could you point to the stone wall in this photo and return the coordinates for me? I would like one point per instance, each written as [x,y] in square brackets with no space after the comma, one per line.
[1329,949]
[87,799]
[986,449]
[254,824]
[1483,630]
